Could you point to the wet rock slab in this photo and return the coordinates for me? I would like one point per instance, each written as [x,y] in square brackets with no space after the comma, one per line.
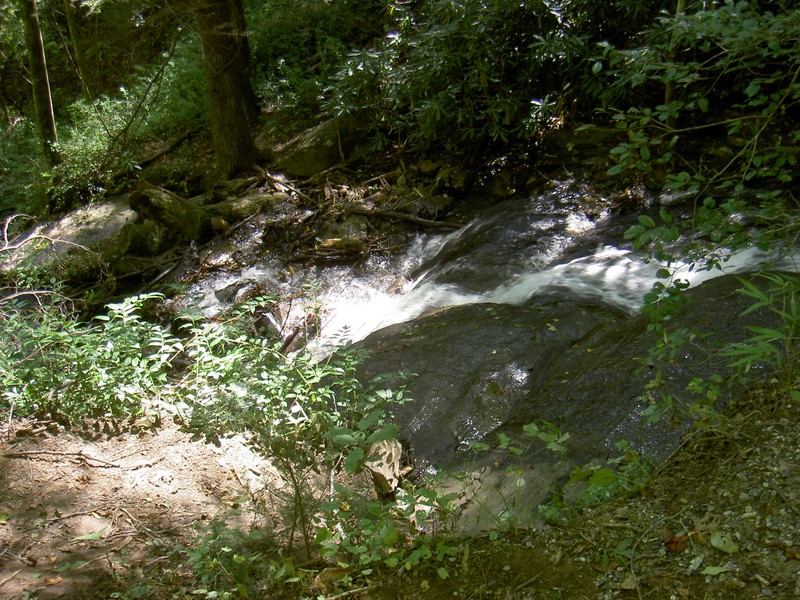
[577,364]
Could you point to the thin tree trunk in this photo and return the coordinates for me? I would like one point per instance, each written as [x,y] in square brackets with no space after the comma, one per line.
[77,52]
[40,82]
[229,88]
[669,86]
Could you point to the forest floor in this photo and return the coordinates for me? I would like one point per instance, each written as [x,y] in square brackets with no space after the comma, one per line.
[109,514]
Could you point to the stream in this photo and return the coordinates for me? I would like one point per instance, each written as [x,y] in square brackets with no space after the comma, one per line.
[563,240]
[526,314]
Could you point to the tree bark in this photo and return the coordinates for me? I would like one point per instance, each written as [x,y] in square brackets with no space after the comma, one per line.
[229,88]
[669,86]
[240,27]
[40,82]
[77,51]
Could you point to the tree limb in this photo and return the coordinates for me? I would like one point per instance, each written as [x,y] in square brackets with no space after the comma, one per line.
[393,214]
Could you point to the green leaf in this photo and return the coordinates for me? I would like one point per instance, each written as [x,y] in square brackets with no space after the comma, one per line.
[616,169]
[602,477]
[370,420]
[345,439]
[354,460]
[647,221]
[90,536]
[531,430]
[663,273]
[387,432]
[714,571]
[442,572]
[634,232]
[723,542]
[753,89]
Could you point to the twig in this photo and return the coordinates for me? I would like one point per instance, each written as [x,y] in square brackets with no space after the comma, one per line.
[142,465]
[393,214]
[10,416]
[526,583]
[151,159]
[366,588]
[138,523]
[79,455]
[10,577]
[275,181]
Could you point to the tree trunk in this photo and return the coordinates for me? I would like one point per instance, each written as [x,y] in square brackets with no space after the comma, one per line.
[40,82]
[669,86]
[229,88]
[77,52]
[240,27]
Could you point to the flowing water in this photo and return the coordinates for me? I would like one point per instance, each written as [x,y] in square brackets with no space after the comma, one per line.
[516,250]
[562,239]
[526,314]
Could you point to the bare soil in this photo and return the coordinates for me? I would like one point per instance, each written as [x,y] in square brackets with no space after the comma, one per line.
[81,517]
[85,518]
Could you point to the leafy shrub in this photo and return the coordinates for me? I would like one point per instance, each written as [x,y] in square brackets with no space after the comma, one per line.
[228,563]
[101,142]
[728,71]
[470,76]
[773,347]
[54,365]
[23,187]
[458,73]
[296,45]
[304,415]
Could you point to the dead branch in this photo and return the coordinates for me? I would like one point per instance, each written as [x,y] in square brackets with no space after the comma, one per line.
[360,590]
[393,214]
[10,577]
[175,144]
[279,183]
[81,456]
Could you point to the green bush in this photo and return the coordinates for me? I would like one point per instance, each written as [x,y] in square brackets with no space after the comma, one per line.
[729,72]
[23,186]
[471,76]
[100,143]
[459,74]
[296,45]
[53,365]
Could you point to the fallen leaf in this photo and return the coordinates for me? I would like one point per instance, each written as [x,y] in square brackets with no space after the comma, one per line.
[723,542]
[792,553]
[53,581]
[327,578]
[676,543]
[628,584]
[4,518]
[90,536]
[714,571]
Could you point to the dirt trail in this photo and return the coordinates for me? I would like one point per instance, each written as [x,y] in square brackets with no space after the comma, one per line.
[76,515]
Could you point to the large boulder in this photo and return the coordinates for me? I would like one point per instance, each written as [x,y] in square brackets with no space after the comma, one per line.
[481,369]
[75,246]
